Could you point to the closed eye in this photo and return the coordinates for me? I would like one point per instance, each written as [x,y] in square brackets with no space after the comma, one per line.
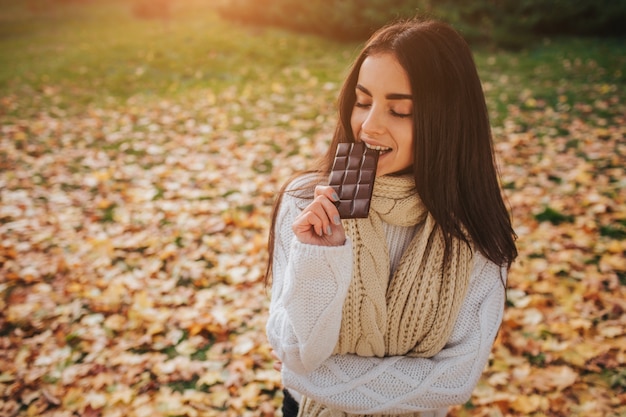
[400,115]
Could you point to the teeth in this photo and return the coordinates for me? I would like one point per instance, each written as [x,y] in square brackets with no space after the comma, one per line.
[377,148]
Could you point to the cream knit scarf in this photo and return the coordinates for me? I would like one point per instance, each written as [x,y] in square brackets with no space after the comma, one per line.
[413,313]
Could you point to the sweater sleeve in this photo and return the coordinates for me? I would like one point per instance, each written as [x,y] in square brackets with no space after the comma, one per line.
[363,385]
[309,285]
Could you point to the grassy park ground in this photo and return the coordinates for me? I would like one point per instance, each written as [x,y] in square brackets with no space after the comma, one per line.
[139,159]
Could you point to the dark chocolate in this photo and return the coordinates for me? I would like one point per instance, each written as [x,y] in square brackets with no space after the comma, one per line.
[352,177]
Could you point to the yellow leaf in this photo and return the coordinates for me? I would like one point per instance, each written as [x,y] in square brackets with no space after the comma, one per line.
[616,247]
[553,378]
[499,378]
[580,353]
[613,262]
[123,395]
[278,88]
[250,394]
[103,204]
[611,330]
[115,322]
[155,328]
[529,404]
[211,378]
[219,398]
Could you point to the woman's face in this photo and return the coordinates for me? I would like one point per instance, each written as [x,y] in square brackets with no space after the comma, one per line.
[382,113]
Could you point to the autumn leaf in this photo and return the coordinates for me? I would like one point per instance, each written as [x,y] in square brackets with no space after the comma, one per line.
[138,168]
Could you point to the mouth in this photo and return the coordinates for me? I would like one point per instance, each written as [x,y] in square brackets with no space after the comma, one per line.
[381,149]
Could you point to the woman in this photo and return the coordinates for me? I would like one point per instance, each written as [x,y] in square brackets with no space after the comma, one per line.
[395,314]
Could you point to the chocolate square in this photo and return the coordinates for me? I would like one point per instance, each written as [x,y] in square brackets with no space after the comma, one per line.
[352,177]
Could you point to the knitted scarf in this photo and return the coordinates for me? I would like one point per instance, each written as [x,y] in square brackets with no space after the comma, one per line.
[412,314]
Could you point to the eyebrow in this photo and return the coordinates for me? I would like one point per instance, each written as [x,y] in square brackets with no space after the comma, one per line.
[390,96]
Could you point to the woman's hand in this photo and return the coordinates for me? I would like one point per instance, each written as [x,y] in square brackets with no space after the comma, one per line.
[319,223]
[278,365]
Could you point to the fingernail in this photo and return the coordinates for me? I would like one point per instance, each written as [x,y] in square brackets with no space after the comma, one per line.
[337,220]
[335,197]
[329,230]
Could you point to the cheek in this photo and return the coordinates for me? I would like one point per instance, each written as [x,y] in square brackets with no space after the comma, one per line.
[355,124]
[405,139]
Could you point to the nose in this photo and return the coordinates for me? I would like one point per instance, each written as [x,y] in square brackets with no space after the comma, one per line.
[373,123]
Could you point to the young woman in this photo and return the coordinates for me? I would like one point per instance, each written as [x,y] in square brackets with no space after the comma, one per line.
[395,314]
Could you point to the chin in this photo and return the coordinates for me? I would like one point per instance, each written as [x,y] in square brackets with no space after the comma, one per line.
[406,171]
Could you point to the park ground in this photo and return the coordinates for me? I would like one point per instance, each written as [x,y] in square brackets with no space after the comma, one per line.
[139,160]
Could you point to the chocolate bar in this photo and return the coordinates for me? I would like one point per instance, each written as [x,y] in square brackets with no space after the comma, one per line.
[352,177]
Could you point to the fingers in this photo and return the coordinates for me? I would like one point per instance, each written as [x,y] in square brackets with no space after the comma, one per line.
[326,190]
[326,196]
[310,221]
[320,220]
[322,213]
[278,365]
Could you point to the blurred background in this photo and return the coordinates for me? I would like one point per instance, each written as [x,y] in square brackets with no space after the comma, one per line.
[142,144]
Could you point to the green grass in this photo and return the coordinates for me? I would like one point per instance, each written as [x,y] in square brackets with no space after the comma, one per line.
[73,54]
[557,74]
[95,52]
[88,92]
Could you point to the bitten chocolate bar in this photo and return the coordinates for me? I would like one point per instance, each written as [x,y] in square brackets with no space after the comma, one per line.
[352,177]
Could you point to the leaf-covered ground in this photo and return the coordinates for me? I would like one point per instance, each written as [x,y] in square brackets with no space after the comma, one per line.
[133,232]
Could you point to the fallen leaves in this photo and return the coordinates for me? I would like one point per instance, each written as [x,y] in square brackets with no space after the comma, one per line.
[133,253]
[562,346]
[132,246]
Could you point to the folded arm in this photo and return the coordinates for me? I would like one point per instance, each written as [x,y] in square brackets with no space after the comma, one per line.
[309,285]
[407,384]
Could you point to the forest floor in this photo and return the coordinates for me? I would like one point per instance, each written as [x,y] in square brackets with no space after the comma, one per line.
[139,160]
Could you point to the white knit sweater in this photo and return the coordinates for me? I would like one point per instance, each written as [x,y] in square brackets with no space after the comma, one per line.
[309,286]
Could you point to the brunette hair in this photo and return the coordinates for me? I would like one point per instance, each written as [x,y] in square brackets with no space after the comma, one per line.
[454,164]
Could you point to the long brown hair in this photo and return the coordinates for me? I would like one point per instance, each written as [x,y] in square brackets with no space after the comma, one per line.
[454,165]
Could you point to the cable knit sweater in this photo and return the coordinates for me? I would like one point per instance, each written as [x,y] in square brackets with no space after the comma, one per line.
[309,286]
